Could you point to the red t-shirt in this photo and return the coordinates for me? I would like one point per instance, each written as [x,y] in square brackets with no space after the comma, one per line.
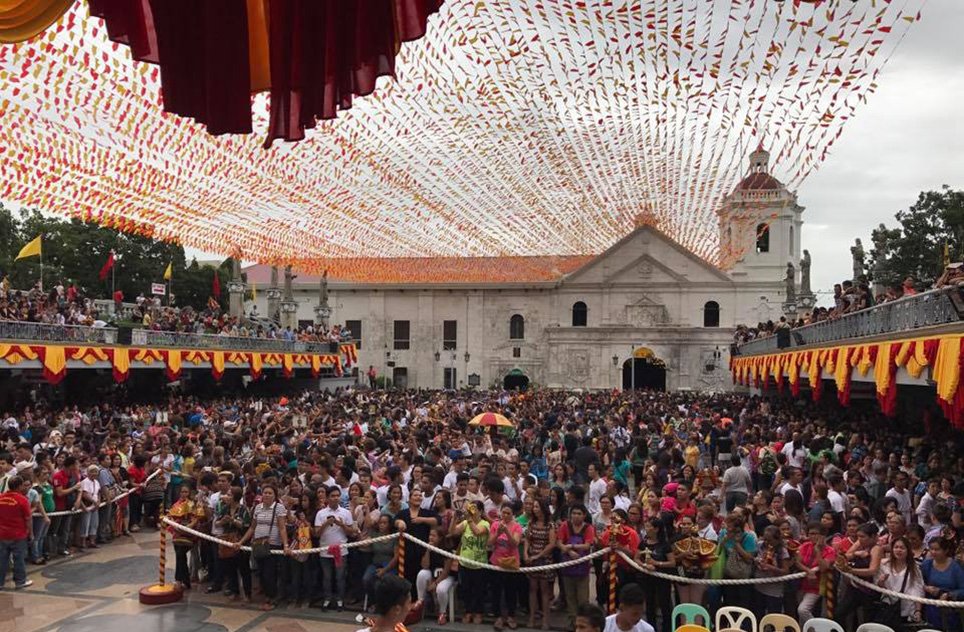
[137,476]
[61,479]
[810,558]
[627,538]
[14,513]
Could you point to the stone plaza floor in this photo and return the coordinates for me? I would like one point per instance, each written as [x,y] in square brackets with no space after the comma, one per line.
[97,591]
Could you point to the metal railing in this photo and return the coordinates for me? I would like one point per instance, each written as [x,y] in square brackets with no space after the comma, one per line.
[12,330]
[27,332]
[927,309]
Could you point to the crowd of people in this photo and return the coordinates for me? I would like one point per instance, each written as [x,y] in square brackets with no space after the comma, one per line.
[848,297]
[693,485]
[66,304]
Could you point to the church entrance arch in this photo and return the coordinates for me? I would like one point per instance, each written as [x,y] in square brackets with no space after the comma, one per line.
[515,380]
[644,370]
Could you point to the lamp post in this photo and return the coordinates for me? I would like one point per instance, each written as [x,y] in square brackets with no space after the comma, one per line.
[632,359]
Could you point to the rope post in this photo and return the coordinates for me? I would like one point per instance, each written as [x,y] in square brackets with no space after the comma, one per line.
[400,550]
[831,594]
[162,560]
[612,581]
[161,592]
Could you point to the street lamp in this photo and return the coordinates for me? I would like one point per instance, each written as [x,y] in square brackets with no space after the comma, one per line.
[438,356]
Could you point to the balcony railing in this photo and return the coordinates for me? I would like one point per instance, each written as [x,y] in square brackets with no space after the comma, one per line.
[927,309]
[40,332]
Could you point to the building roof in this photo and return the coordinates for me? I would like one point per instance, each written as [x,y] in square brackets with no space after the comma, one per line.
[759,180]
[433,270]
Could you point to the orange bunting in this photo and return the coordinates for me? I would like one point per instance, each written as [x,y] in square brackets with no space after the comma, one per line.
[622,134]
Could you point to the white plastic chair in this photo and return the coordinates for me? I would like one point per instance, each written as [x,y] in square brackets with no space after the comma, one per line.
[732,617]
[822,625]
[874,627]
[780,623]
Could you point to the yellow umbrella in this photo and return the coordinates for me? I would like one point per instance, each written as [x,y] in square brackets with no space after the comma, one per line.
[489,420]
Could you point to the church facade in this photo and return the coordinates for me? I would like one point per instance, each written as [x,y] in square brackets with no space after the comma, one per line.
[646,312]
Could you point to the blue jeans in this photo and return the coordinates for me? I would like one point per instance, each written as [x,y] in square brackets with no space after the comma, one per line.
[17,548]
[38,546]
[332,574]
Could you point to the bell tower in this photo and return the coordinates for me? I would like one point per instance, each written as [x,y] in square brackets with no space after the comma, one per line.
[759,223]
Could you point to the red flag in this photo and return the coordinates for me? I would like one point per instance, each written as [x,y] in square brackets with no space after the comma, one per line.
[216,285]
[107,266]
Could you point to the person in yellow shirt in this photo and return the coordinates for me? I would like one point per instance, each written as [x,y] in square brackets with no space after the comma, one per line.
[691,454]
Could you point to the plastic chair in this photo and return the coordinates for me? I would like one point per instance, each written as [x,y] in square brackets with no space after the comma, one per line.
[779,623]
[732,617]
[691,627]
[874,627]
[822,625]
[689,612]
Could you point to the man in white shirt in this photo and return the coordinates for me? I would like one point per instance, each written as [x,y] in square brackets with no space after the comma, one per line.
[901,494]
[461,496]
[333,526]
[223,490]
[630,615]
[925,507]
[458,466]
[838,500]
[794,451]
[597,489]
[394,474]
[510,480]
[794,480]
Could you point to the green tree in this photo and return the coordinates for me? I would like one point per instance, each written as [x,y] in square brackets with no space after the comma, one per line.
[916,247]
[75,251]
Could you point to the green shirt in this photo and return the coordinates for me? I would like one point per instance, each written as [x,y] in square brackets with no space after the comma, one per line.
[474,547]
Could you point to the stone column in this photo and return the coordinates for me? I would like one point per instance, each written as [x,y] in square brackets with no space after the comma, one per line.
[274,296]
[236,298]
[289,314]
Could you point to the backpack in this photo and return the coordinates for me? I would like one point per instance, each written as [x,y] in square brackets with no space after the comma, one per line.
[768,463]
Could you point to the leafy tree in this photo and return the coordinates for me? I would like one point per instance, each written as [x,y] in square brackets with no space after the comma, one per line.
[75,251]
[916,247]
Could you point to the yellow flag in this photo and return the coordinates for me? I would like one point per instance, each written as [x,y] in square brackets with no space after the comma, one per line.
[30,250]
[254,291]
[947,255]
[168,273]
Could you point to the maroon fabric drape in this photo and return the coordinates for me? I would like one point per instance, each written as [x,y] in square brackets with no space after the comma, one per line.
[322,53]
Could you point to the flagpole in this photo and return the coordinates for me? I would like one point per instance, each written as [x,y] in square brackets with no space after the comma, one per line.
[41,263]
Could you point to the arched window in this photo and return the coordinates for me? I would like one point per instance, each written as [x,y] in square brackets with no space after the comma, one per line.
[763,237]
[517,327]
[711,314]
[791,242]
[580,314]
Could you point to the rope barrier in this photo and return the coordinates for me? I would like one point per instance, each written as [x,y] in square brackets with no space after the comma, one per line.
[582,560]
[117,498]
[525,569]
[211,538]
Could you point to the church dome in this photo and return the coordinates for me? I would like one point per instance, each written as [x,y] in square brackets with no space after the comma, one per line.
[759,180]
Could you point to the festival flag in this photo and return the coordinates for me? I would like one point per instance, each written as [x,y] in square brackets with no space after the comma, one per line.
[216,285]
[169,272]
[33,249]
[107,266]
[254,291]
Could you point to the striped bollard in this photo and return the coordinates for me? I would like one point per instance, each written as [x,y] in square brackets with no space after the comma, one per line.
[612,581]
[830,594]
[161,592]
[401,556]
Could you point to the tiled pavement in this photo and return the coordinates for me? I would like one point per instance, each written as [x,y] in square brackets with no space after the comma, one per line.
[96,591]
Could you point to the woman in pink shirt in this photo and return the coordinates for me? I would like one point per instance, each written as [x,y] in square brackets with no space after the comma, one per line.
[504,538]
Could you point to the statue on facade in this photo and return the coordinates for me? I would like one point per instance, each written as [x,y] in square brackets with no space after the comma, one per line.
[274,276]
[857,252]
[881,247]
[805,274]
[289,278]
[791,283]
[235,269]
[323,289]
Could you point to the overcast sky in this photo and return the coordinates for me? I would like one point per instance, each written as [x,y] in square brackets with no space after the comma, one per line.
[908,138]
